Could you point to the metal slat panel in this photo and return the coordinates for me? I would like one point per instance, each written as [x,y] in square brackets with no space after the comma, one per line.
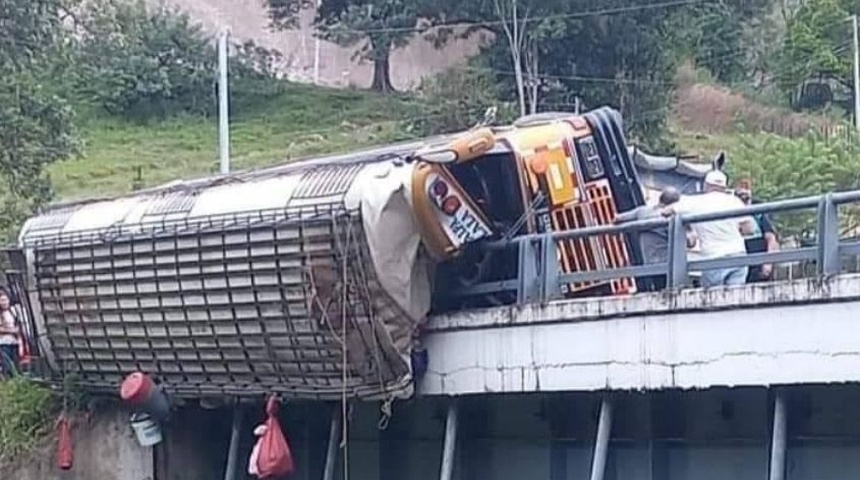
[229,310]
[172,203]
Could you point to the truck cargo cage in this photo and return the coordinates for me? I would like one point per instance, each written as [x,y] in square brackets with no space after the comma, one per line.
[240,304]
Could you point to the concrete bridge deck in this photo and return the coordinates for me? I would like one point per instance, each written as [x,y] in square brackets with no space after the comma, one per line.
[792,332]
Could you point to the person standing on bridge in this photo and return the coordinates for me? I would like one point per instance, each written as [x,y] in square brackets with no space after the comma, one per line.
[654,243]
[717,238]
[762,239]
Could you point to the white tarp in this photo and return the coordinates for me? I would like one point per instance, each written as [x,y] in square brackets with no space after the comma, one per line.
[383,193]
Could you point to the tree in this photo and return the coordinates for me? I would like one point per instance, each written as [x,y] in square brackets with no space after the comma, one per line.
[817,44]
[786,168]
[35,124]
[141,62]
[613,54]
[519,28]
[523,45]
[718,36]
[377,27]
[620,59]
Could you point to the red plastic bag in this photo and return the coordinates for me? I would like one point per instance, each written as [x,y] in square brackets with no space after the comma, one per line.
[65,447]
[274,458]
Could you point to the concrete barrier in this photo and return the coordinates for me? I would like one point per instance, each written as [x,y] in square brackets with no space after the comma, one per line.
[105,449]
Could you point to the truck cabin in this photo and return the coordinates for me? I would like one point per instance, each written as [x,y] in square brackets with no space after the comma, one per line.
[546,173]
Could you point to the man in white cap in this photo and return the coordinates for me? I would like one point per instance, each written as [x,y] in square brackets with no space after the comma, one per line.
[717,238]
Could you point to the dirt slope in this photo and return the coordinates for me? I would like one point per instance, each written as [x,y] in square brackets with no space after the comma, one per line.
[247,21]
[711,109]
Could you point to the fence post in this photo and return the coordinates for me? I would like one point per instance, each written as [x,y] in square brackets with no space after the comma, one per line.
[829,262]
[232,469]
[677,274]
[449,445]
[528,281]
[549,286]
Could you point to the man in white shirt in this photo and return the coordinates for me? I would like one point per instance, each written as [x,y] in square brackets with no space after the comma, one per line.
[718,238]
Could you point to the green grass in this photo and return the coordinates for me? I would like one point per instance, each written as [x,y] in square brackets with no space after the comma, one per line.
[702,145]
[300,121]
[26,410]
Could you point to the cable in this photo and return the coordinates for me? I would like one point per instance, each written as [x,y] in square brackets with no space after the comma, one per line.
[653,113]
[592,13]
[431,26]
[741,51]
[589,78]
[581,78]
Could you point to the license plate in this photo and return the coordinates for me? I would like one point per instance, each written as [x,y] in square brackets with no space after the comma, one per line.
[464,227]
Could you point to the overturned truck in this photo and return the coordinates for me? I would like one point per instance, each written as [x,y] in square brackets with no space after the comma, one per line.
[313,278]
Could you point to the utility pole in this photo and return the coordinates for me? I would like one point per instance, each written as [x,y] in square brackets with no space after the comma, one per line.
[223,104]
[856,75]
[317,52]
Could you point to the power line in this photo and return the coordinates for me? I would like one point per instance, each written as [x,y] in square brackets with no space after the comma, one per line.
[596,79]
[582,78]
[591,13]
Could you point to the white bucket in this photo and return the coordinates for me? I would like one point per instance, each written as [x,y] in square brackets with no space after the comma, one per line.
[146,430]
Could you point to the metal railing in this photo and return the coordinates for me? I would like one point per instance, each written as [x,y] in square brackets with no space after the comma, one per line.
[540,280]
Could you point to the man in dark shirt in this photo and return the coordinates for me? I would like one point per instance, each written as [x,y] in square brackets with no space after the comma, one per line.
[762,239]
[654,242]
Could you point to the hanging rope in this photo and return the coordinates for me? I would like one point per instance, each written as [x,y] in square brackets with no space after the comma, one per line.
[353,280]
[363,282]
[386,412]
[341,336]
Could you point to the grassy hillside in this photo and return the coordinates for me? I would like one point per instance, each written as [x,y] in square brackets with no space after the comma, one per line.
[304,120]
[300,121]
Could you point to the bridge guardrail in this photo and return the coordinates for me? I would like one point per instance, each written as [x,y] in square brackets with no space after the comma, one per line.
[539,279]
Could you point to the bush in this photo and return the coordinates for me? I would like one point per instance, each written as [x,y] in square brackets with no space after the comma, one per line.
[783,168]
[36,130]
[253,76]
[457,99]
[141,64]
[145,63]
[27,410]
